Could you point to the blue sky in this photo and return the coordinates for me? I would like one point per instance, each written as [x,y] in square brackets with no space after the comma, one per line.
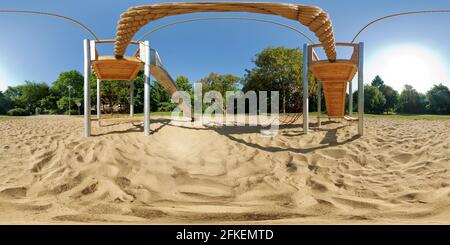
[38,48]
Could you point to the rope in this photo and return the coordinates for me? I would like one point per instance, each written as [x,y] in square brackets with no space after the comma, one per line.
[225,18]
[54,15]
[396,15]
[313,17]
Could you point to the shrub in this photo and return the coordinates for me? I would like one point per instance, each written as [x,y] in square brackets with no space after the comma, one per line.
[72,112]
[166,106]
[18,112]
[50,111]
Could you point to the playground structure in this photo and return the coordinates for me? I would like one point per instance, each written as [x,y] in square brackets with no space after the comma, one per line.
[125,69]
[332,73]
[333,78]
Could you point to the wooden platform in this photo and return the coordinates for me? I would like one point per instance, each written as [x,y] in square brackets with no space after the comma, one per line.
[110,68]
[334,77]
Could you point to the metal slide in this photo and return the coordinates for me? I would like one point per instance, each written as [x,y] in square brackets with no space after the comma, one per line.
[161,75]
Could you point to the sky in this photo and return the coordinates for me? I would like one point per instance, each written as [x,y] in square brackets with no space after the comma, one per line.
[406,50]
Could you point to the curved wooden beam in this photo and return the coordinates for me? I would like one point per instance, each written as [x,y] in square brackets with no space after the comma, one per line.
[313,17]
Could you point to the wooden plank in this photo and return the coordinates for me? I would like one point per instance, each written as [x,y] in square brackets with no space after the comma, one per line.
[110,68]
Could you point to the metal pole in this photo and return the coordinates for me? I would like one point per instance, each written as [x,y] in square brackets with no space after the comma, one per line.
[361,89]
[305,90]
[319,103]
[147,89]
[69,98]
[87,88]
[350,98]
[98,99]
[131,98]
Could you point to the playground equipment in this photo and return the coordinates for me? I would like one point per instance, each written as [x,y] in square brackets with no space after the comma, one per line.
[311,16]
[333,74]
[333,78]
[125,69]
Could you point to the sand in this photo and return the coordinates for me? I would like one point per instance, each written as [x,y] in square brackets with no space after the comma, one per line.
[398,172]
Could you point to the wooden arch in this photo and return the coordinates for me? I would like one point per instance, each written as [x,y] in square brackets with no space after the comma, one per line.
[313,17]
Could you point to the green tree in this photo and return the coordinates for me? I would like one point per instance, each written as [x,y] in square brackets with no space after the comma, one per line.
[60,89]
[13,94]
[279,69]
[374,100]
[220,83]
[378,82]
[388,92]
[183,84]
[439,99]
[5,104]
[30,94]
[392,97]
[69,78]
[48,104]
[410,101]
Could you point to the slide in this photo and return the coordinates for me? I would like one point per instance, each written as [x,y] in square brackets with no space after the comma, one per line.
[162,76]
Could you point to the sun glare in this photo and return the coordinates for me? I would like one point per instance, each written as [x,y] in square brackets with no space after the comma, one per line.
[408,64]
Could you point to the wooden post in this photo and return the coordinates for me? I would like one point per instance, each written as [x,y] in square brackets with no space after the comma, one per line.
[146,46]
[361,89]
[305,90]
[319,103]
[131,98]
[350,98]
[87,88]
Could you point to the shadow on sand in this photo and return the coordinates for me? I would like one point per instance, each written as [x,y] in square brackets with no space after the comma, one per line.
[329,140]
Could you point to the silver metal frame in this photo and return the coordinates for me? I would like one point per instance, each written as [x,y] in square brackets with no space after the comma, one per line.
[305,90]
[87,88]
[98,101]
[146,57]
[131,98]
[361,89]
[319,91]
[147,76]
[350,98]
[319,103]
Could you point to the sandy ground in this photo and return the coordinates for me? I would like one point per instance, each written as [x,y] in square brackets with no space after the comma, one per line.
[397,173]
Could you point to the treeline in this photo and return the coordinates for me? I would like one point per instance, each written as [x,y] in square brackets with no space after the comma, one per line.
[380,98]
[276,69]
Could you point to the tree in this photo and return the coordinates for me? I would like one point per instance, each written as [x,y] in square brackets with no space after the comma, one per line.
[391,96]
[378,82]
[183,84]
[438,99]
[159,98]
[220,83]
[5,104]
[73,78]
[374,100]
[388,92]
[60,89]
[279,69]
[410,101]
[30,94]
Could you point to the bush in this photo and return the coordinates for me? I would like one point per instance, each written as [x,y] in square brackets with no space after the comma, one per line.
[166,106]
[18,112]
[50,112]
[72,112]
